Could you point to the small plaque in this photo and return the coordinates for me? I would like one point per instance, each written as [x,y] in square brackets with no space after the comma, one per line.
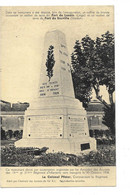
[85,146]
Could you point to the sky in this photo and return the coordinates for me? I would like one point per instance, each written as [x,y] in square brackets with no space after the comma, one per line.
[22,46]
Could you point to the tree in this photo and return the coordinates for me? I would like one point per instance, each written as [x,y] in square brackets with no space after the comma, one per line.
[15,134]
[105,51]
[108,118]
[18,134]
[93,67]
[81,86]
[9,134]
[50,62]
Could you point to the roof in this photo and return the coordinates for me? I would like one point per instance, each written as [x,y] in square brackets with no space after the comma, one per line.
[95,106]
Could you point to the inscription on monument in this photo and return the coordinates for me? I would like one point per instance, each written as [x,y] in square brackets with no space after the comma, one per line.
[76,126]
[49,89]
[45,126]
[64,55]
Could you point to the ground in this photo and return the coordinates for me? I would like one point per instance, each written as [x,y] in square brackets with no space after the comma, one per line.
[12,156]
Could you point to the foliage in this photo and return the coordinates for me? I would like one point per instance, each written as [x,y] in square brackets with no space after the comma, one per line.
[93,66]
[18,134]
[103,136]
[11,156]
[8,135]
[50,62]
[3,137]
[104,157]
[81,85]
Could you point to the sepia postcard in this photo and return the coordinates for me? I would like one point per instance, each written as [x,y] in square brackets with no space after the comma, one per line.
[57,98]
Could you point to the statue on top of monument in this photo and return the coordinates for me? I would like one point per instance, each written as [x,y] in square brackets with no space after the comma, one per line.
[50,62]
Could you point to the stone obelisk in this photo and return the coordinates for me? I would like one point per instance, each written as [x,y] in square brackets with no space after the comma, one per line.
[56,119]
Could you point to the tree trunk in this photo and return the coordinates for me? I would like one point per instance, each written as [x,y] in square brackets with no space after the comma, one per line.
[98,96]
[111,98]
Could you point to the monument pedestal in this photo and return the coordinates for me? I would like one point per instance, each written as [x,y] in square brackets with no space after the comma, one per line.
[59,123]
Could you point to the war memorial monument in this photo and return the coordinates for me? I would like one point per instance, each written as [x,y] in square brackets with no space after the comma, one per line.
[56,119]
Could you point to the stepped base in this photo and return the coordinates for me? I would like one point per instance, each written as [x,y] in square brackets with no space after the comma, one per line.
[73,146]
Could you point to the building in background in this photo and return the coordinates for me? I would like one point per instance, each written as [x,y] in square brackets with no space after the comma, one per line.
[95,114]
[12,116]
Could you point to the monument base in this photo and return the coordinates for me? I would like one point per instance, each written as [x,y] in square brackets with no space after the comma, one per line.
[74,146]
[59,123]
